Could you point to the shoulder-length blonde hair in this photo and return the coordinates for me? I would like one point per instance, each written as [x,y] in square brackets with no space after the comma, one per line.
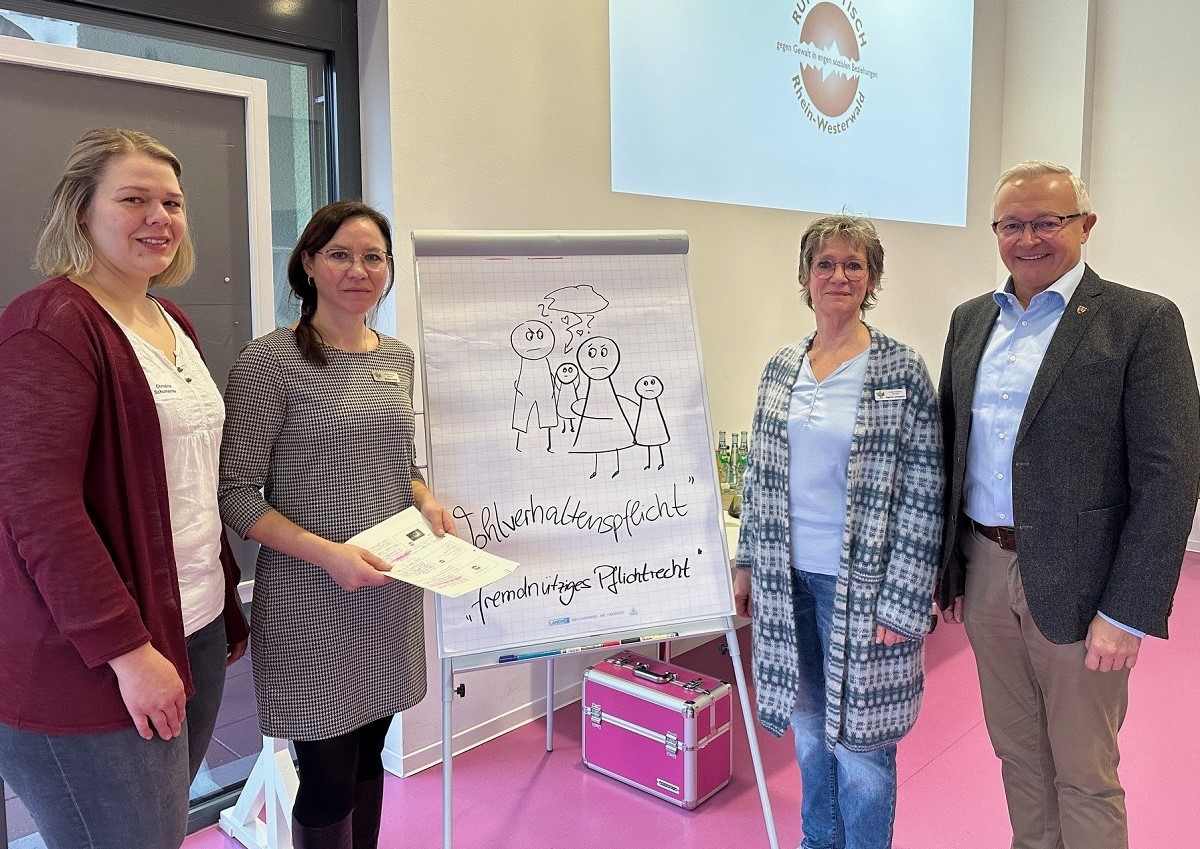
[63,248]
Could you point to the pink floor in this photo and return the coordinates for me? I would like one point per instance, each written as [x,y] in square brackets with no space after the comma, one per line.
[511,794]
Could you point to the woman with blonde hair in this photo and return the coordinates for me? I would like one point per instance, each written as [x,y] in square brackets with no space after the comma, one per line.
[120,588]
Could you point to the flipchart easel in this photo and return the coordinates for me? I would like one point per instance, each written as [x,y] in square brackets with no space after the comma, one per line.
[474,287]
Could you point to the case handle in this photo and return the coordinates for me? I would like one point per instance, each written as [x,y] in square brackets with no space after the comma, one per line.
[643,671]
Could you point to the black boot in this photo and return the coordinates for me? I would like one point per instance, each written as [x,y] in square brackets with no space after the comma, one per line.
[368,809]
[336,836]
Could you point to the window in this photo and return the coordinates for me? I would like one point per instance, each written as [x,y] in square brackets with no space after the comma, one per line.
[295,99]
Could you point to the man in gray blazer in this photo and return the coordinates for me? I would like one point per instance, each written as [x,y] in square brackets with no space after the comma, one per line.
[1072,427]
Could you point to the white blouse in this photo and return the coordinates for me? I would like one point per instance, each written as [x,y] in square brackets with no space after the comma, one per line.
[191,415]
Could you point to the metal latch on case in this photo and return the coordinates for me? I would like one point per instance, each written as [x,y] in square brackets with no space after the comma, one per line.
[596,714]
[671,744]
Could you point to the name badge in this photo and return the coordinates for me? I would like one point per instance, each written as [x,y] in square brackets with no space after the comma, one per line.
[891,394]
[381,376]
[164,390]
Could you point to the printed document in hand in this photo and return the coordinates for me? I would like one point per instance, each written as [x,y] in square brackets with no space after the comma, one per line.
[447,565]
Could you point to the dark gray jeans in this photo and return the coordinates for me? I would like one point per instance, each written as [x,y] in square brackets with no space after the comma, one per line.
[116,790]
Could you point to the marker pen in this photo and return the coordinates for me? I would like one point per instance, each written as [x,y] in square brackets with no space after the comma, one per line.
[511,658]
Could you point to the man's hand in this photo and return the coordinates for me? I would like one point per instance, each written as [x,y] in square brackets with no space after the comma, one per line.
[1110,648]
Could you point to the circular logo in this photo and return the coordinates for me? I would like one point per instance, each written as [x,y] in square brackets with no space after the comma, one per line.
[831,90]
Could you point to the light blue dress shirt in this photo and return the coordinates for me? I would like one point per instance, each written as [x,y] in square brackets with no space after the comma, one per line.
[1010,362]
[821,418]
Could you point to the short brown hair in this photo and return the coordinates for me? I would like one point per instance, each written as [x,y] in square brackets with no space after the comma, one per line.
[860,232]
[63,248]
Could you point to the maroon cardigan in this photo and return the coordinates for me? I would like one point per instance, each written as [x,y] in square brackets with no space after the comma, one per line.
[87,569]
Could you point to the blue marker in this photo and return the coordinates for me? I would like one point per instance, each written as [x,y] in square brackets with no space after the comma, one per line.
[512,658]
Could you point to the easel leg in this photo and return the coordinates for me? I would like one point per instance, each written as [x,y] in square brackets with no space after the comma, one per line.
[549,704]
[271,789]
[735,654]
[447,749]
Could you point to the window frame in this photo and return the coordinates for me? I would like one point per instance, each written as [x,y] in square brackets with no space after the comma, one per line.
[329,27]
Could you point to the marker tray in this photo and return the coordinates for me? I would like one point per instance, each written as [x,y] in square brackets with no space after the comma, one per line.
[658,727]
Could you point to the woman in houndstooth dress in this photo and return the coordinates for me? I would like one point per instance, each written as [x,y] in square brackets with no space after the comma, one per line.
[321,419]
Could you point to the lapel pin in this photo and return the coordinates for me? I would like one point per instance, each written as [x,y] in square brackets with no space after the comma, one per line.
[1081,309]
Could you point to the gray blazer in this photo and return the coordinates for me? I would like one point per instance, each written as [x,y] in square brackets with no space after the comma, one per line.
[1106,467]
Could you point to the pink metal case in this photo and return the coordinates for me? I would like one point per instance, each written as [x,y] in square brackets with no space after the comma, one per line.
[658,727]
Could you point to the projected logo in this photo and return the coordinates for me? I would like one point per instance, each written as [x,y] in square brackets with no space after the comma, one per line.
[828,80]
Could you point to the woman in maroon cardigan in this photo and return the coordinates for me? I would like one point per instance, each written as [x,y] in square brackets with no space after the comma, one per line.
[120,589]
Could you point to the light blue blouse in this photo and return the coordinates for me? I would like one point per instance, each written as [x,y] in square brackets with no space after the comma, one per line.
[821,419]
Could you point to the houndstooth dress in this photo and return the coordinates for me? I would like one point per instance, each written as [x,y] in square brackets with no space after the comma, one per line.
[332,449]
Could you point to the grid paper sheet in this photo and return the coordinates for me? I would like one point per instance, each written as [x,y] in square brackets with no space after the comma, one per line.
[569,431]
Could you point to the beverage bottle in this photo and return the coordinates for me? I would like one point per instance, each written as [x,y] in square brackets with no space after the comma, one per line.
[723,460]
[743,453]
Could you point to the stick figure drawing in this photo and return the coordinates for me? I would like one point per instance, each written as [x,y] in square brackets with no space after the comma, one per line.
[603,425]
[651,428]
[533,341]
[566,393]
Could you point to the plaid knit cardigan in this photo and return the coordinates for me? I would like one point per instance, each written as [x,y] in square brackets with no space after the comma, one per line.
[891,547]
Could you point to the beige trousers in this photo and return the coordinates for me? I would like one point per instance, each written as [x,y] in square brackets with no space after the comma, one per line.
[1052,721]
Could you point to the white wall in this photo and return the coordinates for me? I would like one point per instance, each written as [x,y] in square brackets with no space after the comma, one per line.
[1145,184]
[1047,79]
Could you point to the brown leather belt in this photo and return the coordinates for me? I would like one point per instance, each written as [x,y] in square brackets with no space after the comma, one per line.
[1006,538]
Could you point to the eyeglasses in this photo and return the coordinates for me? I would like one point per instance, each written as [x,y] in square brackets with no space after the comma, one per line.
[340,260]
[854,270]
[1045,225]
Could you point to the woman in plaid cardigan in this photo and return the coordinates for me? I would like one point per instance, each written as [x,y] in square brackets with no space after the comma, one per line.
[840,541]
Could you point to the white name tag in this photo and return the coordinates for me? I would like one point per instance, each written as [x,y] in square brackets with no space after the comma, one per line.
[381,376]
[164,390]
[891,394]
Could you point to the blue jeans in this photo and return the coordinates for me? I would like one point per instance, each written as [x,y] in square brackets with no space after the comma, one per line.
[848,799]
[116,790]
